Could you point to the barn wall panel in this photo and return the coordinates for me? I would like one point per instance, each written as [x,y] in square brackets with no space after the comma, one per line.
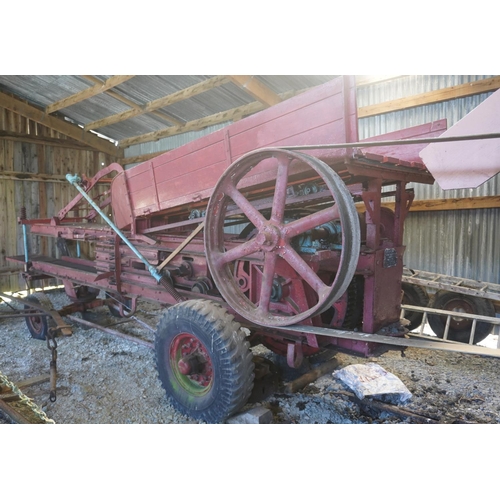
[41,199]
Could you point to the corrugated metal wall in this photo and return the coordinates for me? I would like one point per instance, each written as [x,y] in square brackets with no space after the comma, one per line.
[41,199]
[455,242]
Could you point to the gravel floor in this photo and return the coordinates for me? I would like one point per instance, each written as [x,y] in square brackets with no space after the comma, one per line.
[103,379]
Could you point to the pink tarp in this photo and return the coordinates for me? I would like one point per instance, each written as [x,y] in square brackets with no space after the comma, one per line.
[467,164]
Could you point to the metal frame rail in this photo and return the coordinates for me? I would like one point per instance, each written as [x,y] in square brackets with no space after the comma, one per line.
[453,284]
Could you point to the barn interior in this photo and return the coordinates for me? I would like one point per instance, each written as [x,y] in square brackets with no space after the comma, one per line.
[63,134]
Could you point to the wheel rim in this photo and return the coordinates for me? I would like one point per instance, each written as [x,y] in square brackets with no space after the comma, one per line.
[191,364]
[36,324]
[462,306]
[273,238]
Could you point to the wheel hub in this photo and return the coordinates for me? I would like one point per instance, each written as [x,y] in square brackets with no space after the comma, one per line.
[269,238]
[191,363]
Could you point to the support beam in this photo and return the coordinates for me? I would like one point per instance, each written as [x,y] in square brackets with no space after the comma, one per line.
[41,177]
[141,158]
[181,95]
[160,114]
[195,124]
[74,132]
[474,202]
[224,116]
[41,139]
[98,88]
[464,90]
[256,89]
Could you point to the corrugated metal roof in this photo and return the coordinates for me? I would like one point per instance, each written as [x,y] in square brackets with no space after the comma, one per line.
[142,89]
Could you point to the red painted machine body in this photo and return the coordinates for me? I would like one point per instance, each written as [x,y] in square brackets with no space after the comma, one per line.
[159,202]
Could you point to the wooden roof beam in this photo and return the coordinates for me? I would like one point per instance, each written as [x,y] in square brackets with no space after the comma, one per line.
[162,102]
[251,85]
[72,131]
[160,114]
[96,89]
[446,94]
[224,116]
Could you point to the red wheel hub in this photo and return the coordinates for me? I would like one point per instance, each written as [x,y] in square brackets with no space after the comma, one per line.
[191,363]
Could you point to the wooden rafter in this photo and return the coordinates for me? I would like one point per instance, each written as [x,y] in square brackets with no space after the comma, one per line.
[194,124]
[72,131]
[160,103]
[141,158]
[41,139]
[224,116]
[446,94]
[256,89]
[96,89]
[160,114]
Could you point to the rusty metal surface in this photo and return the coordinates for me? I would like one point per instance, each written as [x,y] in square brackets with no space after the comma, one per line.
[417,342]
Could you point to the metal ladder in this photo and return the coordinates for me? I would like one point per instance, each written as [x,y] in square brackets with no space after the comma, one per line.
[453,284]
[450,314]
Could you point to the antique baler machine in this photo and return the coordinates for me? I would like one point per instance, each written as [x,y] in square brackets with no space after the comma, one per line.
[270,231]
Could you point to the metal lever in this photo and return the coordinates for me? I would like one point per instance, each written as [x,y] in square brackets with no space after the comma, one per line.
[75,180]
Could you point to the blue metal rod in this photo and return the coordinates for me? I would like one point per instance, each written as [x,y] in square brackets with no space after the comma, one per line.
[75,180]
[25,238]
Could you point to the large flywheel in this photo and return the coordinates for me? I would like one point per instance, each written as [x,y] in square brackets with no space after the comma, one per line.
[267,278]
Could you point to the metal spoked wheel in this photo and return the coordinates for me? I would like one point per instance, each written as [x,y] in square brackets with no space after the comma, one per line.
[282,269]
[204,360]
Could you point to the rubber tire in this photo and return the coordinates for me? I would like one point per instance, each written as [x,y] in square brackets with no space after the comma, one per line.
[481,307]
[38,326]
[414,295]
[230,356]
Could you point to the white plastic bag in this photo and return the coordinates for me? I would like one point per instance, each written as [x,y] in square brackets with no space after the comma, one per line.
[371,379]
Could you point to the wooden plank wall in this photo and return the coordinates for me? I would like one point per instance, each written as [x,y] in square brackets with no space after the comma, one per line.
[42,198]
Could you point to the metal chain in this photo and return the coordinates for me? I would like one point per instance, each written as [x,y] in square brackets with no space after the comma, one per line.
[25,400]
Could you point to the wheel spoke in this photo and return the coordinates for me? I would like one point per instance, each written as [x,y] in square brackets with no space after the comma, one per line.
[279,201]
[304,271]
[311,221]
[254,216]
[237,253]
[267,281]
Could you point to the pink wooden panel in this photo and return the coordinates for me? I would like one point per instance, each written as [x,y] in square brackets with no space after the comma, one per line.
[409,153]
[190,172]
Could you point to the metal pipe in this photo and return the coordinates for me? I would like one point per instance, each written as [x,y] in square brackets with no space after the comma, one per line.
[401,142]
[25,236]
[75,180]
[124,336]
[25,239]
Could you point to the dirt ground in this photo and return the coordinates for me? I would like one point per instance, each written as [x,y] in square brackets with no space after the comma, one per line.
[103,379]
